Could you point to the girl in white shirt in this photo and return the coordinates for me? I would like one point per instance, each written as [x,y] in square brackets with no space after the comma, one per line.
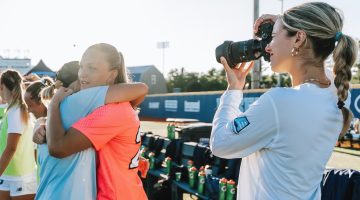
[17,163]
[287,136]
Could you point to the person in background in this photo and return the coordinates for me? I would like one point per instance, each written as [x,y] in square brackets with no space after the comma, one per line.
[34,103]
[33,98]
[17,163]
[356,125]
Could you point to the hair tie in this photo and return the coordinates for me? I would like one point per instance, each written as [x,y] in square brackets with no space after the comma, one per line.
[340,104]
[338,35]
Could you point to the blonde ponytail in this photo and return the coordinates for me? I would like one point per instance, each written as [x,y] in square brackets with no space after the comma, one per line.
[48,92]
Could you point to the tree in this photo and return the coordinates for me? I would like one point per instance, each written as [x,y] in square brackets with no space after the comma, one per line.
[176,79]
[213,80]
[356,78]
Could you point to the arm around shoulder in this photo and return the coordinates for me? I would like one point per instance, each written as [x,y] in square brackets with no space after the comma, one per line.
[61,143]
[134,92]
[74,141]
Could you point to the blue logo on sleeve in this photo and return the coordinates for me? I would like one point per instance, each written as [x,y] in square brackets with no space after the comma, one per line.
[239,124]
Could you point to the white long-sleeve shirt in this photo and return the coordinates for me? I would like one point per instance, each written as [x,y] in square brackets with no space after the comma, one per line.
[285,139]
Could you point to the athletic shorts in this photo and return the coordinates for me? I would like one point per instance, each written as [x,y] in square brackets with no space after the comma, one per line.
[19,187]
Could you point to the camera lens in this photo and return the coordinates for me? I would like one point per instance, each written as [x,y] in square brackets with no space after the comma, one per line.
[237,52]
[244,51]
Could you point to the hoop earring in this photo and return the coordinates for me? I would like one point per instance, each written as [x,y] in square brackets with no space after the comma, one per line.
[294,51]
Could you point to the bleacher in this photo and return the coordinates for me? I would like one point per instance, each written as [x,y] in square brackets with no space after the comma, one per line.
[162,185]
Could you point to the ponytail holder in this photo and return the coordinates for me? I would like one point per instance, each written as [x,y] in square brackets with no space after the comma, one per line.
[338,35]
[340,104]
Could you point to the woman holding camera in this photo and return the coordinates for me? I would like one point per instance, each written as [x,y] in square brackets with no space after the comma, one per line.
[287,136]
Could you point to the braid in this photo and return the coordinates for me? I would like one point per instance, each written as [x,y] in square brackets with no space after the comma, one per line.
[344,56]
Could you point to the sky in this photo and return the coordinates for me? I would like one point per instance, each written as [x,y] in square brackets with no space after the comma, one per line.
[60,31]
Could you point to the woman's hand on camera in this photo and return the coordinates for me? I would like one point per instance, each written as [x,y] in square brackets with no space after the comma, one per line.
[263,18]
[236,77]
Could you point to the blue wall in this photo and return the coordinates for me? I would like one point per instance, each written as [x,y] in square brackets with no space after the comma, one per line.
[202,106]
[355,102]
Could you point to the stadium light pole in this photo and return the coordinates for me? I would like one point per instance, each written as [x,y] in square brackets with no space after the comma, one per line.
[163,45]
[279,75]
[256,73]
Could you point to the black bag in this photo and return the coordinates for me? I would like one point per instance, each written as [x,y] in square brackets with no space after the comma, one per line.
[173,150]
[161,190]
[212,186]
[202,156]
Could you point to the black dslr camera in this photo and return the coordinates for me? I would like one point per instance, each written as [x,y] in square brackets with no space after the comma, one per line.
[244,51]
